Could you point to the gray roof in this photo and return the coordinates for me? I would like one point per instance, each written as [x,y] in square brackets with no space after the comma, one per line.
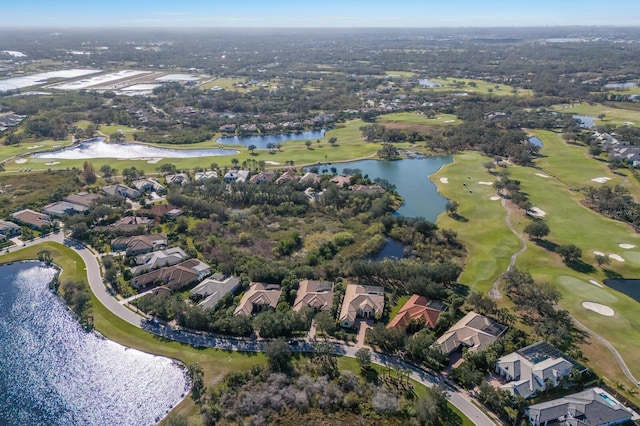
[214,288]
[62,208]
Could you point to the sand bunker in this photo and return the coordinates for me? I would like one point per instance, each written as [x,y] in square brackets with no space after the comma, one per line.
[153,160]
[626,246]
[598,308]
[449,121]
[485,183]
[601,179]
[35,146]
[596,283]
[52,163]
[542,175]
[273,163]
[494,198]
[598,253]
[534,211]
[616,257]
[444,180]
[21,161]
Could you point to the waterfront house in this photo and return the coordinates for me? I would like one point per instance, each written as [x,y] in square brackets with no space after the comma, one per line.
[173,277]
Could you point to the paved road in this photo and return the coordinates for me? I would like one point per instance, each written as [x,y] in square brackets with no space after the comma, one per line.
[458,399]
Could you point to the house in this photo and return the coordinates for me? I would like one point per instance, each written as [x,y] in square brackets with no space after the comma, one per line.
[288,176]
[157,259]
[148,185]
[368,189]
[121,190]
[201,177]
[86,199]
[177,179]
[314,294]
[130,224]
[140,244]
[531,369]
[32,218]
[9,229]
[173,277]
[236,175]
[64,208]
[262,177]
[363,301]
[592,407]
[259,297]
[213,289]
[418,308]
[341,181]
[310,178]
[159,211]
[474,331]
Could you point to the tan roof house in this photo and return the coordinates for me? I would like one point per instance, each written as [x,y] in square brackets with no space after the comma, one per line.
[341,181]
[314,294]
[86,199]
[474,331]
[140,244]
[287,176]
[32,218]
[173,277]
[259,297]
[158,259]
[415,309]
[361,301]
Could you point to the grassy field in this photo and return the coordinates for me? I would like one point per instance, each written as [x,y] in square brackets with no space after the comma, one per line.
[481,87]
[417,118]
[407,74]
[350,146]
[616,116]
[26,147]
[482,230]
[227,83]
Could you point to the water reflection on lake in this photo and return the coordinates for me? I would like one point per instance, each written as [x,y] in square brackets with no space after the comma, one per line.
[262,142]
[535,142]
[630,287]
[586,121]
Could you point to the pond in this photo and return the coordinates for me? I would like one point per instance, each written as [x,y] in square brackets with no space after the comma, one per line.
[630,287]
[262,142]
[425,82]
[52,372]
[98,148]
[535,142]
[411,178]
[586,121]
[393,249]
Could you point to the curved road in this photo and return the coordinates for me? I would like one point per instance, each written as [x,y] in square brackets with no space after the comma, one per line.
[458,399]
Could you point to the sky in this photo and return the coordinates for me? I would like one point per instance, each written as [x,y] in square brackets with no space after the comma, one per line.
[317,13]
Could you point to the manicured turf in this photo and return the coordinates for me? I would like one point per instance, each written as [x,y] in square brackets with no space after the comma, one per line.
[613,115]
[482,230]
[401,73]
[481,87]
[417,118]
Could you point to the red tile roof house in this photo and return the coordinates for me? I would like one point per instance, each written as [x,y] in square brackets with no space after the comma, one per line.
[32,218]
[140,244]
[415,309]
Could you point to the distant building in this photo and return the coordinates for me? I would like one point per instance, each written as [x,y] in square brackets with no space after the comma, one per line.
[177,179]
[140,244]
[173,277]
[262,177]
[213,289]
[201,177]
[9,229]
[314,294]
[148,185]
[86,199]
[592,407]
[418,308]
[288,176]
[236,175]
[32,218]
[121,190]
[157,259]
[341,181]
[64,208]
[259,297]
[531,369]
[474,331]
[361,301]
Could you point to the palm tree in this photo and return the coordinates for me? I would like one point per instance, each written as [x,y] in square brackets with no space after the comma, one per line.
[235,162]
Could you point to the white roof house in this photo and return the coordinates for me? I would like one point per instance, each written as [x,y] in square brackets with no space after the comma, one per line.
[158,259]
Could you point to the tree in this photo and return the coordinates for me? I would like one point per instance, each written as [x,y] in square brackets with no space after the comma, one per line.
[595,150]
[364,358]
[537,229]
[89,173]
[569,252]
[12,139]
[452,208]
[278,354]
[333,141]
[325,322]
[602,260]
[252,148]
[388,152]
[235,162]
[308,143]
[167,168]
[108,172]
[196,375]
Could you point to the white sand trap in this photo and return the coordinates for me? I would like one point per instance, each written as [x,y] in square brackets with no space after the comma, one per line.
[626,246]
[35,146]
[596,283]
[494,198]
[449,121]
[21,161]
[153,160]
[601,179]
[542,175]
[598,308]
[616,257]
[598,253]
[52,163]
[485,183]
[534,211]
[273,163]
[444,180]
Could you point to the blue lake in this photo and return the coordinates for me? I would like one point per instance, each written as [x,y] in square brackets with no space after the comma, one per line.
[535,142]
[52,372]
[261,142]
[411,178]
[425,82]
[586,121]
[98,148]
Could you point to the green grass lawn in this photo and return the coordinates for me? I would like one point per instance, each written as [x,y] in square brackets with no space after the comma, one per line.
[483,230]
[26,147]
[616,116]
[227,83]
[417,118]
[406,74]
[481,87]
